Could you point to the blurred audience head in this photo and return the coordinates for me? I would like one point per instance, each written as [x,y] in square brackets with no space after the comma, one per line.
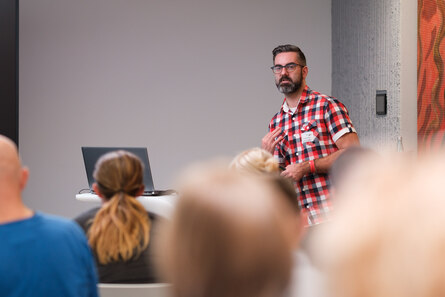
[13,179]
[387,237]
[227,237]
[255,160]
[121,227]
[119,172]
[351,167]
[261,164]
[13,176]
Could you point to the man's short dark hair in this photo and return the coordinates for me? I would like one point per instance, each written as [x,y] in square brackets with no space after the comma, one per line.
[289,48]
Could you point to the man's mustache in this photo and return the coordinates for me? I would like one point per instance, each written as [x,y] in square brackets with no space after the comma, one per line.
[285,78]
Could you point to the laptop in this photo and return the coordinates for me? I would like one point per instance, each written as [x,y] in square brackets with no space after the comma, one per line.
[92,154]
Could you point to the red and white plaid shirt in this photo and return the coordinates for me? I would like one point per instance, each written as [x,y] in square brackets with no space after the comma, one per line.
[310,133]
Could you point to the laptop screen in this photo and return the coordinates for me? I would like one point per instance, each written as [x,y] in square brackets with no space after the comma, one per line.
[92,154]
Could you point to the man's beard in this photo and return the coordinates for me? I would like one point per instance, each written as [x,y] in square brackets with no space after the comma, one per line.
[290,87]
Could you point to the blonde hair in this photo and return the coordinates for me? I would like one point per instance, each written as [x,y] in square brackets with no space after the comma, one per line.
[259,162]
[227,238]
[387,237]
[121,227]
[255,160]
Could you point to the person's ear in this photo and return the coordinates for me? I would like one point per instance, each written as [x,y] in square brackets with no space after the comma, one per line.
[98,193]
[304,71]
[140,191]
[24,174]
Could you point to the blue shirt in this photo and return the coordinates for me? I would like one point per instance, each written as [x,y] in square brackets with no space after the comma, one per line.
[45,256]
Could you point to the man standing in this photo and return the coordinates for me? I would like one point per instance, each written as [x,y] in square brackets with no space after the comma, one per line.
[307,134]
[40,255]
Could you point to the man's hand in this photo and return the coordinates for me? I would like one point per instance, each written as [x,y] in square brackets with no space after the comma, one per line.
[270,141]
[296,171]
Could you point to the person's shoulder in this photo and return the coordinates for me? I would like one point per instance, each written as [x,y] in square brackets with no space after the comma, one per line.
[52,220]
[85,218]
[277,118]
[321,97]
[89,214]
[279,112]
[155,218]
[326,101]
[54,225]
[157,223]
[276,115]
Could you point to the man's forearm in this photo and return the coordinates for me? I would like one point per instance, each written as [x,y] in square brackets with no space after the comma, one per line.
[323,165]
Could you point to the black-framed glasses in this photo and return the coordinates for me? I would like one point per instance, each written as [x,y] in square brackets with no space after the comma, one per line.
[290,67]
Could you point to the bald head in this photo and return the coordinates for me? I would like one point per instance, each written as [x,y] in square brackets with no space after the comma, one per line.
[13,178]
[10,165]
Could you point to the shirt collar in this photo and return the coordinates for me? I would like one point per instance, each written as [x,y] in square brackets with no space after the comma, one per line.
[305,96]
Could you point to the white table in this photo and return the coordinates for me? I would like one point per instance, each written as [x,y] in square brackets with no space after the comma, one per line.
[160,205]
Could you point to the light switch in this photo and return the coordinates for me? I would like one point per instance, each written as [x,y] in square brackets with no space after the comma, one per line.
[380,102]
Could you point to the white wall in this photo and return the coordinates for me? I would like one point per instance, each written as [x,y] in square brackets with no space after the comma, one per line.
[366,58]
[189,79]
[374,48]
[408,75]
